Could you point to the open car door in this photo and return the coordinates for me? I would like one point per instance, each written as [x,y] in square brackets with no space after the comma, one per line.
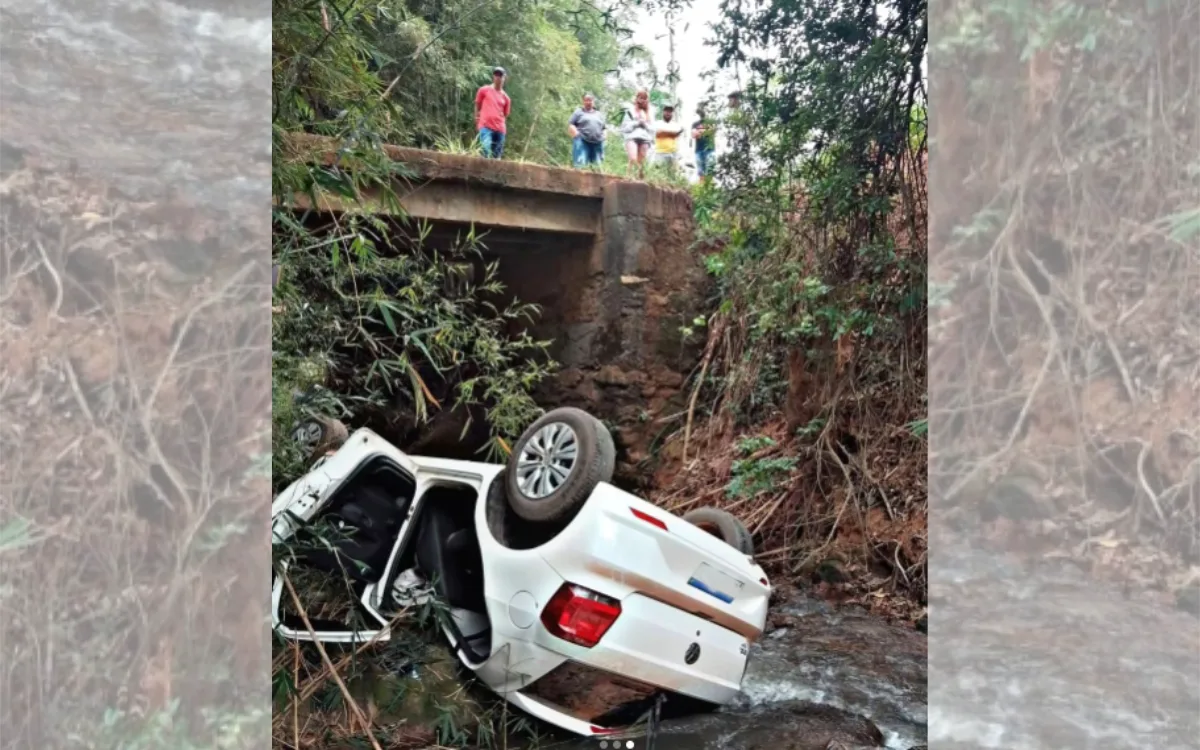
[341,522]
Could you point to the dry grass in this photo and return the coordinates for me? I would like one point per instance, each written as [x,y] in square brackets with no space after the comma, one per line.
[1065,368]
[134,386]
[850,515]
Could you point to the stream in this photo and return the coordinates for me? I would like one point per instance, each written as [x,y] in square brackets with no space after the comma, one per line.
[824,675]
[1040,655]
[1030,655]
[152,95]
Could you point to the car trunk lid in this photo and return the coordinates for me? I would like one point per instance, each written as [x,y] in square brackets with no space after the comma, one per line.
[646,550]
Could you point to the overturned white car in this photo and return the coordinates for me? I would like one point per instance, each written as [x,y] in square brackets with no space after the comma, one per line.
[556,583]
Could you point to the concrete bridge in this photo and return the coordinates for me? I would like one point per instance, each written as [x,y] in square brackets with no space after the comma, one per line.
[610,261]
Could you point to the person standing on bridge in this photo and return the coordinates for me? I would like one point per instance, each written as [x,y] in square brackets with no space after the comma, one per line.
[666,139]
[636,129]
[704,134]
[586,128]
[492,107]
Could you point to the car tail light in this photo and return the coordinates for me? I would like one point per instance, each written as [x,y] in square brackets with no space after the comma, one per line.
[649,519]
[580,616]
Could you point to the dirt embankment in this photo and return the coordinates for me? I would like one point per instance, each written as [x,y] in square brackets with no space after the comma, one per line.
[129,455]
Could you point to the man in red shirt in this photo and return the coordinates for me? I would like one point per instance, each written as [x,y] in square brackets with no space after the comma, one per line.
[492,106]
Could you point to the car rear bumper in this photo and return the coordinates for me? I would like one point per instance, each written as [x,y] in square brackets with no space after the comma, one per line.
[668,648]
[651,643]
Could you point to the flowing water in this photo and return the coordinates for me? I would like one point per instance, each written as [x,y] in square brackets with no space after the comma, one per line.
[150,94]
[1042,656]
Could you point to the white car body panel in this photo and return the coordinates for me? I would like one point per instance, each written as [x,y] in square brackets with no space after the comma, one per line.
[607,548]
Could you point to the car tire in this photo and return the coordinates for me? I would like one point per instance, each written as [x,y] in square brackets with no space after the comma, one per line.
[319,435]
[608,451]
[723,525]
[542,494]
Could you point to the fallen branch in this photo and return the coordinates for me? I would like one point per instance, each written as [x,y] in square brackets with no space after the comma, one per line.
[287,581]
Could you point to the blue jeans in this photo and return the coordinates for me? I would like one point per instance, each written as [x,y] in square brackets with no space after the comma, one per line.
[585,153]
[703,160]
[492,143]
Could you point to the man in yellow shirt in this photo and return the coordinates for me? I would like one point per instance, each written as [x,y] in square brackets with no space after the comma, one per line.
[666,139]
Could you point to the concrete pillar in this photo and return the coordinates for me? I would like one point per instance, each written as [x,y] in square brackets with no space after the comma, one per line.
[624,239]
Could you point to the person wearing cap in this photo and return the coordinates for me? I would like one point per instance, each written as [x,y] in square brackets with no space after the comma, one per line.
[666,138]
[492,107]
[586,128]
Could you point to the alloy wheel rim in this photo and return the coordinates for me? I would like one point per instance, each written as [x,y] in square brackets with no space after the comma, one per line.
[308,434]
[547,460]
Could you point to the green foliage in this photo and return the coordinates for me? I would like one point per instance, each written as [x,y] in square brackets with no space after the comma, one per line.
[121,730]
[984,28]
[368,316]
[1184,225]
[812,210]
[918,427]
[754,476]
[440,52]
[812,429]
[749,445]
[410,332]
[15,534]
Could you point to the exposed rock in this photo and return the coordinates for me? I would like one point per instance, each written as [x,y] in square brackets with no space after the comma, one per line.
[588,393]
[831,571]
[658,403]
[1019,496]
[1188,599]
[666,377]
[569,378]
[613,375]
[794,725]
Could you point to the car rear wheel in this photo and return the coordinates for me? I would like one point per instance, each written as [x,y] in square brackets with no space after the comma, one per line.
[557,463]
[319,435]
[723,525]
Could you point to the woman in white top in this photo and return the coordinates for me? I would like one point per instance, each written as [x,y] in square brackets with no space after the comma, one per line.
[638,132]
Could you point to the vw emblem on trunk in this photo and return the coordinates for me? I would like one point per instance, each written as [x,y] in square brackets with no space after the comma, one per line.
[693,653]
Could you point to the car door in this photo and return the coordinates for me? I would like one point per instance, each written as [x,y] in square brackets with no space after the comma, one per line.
[303,501]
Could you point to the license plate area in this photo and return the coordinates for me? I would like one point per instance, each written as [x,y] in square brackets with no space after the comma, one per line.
[715,583]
